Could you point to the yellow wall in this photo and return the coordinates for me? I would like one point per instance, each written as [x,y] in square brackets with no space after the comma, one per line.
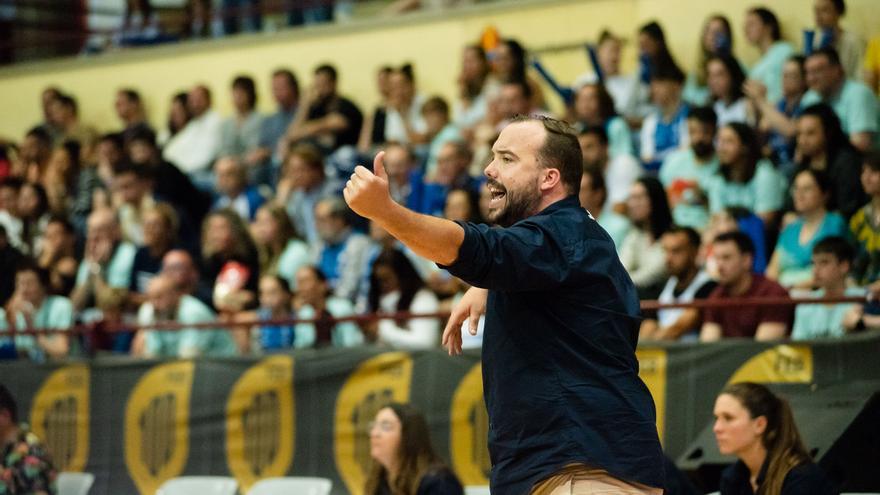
[433,42]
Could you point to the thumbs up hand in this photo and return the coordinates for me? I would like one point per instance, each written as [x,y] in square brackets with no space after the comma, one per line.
[367,193]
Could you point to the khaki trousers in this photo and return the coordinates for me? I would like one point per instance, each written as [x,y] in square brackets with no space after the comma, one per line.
[583,480]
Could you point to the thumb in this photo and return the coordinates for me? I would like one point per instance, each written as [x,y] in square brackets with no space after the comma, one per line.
[379,165]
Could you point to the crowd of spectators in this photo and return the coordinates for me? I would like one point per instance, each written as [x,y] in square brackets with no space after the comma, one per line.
[725,182]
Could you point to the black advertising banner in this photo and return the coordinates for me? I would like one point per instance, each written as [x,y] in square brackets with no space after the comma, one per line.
[135,424]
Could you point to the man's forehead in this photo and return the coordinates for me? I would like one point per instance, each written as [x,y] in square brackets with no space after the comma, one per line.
[520,136]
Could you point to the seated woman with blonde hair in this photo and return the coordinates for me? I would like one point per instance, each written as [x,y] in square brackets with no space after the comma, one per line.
[404,461]
[758,427]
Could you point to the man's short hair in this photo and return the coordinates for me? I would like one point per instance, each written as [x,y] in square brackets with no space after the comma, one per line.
[560,150]
[668,71]
[142,135]
[829,53]
[246,84]
[328,70]
[704,115]
[872,160]
[309,153]
[131,95]
[693,237]
[69,103]
[836,246]
[7,403]
[523,86]
[462,150]
[65,224]
[127,167]
[436,104]
[597,179]
[28,265]
[595,130]
[743,242]
[12,182]
[288,74]
[41,134]
[338,208]
[839,6]
[115,138]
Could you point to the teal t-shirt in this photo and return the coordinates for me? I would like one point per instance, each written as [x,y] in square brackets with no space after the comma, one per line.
[188,342]
[854,104]
[55,312]
[796,259]
[295,255]
[117,273]
[764,193]
[617,226]
[816,321]
[685,181]
[620,141]
[768,69]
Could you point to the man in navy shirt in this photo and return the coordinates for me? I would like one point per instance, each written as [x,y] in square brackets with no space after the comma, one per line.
[567,410]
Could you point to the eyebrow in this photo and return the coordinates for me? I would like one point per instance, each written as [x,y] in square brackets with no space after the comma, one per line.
[505,152]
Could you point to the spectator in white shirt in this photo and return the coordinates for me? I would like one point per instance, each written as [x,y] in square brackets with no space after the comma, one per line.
[195,148]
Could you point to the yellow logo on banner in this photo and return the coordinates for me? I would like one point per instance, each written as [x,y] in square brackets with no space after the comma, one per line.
[376,382]
[260,422]
[469,430]
[157,425]
[652,371]
[781,364]
[60,416]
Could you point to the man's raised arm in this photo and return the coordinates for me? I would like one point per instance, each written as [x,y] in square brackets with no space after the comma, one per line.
[433,238]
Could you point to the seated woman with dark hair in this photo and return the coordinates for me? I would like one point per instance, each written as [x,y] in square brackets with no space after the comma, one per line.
[404,461]
[395,287]
[757,426]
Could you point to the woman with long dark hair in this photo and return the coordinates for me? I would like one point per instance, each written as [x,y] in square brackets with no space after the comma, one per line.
[404,461]
[725,78]
[395,286]
[510,66]
[822,145]
[745,178]
[641,252]
[757,426]
[716,38]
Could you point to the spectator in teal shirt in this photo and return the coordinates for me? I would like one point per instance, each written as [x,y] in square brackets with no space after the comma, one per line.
[832,261]
[166,304]
[31,307]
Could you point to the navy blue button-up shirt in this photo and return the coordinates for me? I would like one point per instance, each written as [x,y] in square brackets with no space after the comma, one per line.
[560,375]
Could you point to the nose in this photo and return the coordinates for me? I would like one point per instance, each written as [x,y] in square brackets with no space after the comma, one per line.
[491,171]
[716,427]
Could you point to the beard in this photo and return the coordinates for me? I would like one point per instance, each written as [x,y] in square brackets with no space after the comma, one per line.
[703,150]
[517,205]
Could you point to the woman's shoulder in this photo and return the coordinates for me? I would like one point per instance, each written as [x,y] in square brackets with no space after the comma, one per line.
[808,478]
[440,480]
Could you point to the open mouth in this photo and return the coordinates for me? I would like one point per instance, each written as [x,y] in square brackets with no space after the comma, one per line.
[498,193]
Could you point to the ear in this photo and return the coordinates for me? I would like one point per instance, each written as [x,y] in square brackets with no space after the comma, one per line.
[550,177]
[759,425]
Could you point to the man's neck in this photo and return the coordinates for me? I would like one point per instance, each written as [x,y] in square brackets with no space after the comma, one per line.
[835,288]
[875,203]
[685,279]
[550,198]
[834,90]
[741,286]
[669,111]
